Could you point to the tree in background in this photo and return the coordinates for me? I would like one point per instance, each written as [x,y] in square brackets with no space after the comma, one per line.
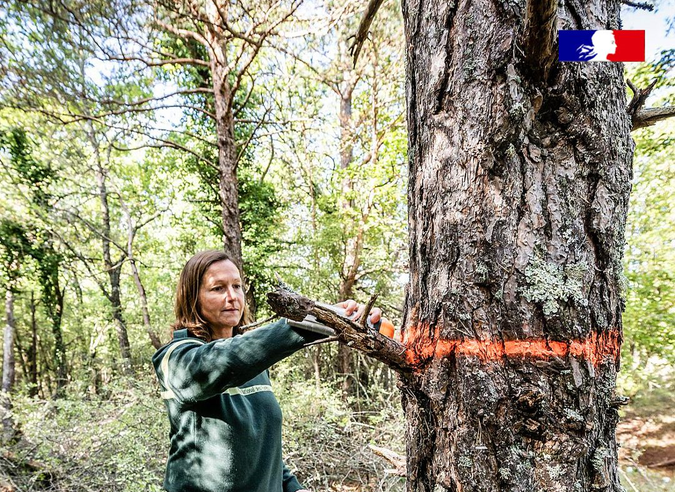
[30,237]
[346,171]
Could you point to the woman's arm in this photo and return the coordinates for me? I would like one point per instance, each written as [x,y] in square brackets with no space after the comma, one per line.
[197,371]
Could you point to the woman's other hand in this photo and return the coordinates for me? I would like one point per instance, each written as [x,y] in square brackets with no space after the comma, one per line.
[351,306]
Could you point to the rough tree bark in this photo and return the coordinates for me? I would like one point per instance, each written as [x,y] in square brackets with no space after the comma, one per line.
[520,171]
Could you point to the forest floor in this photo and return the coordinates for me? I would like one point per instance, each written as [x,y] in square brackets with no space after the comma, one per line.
[646,435]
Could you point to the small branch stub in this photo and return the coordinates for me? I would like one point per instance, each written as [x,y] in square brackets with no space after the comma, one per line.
[369,306]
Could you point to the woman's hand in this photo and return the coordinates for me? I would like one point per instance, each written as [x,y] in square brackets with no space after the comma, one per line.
[386,328]
[350,306]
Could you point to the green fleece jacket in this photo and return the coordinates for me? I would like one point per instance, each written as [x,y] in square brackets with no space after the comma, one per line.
[225,421]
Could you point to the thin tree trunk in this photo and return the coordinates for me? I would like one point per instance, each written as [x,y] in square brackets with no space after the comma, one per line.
[8,367]
[112,269]
[520,176]
[8,371]
[154,338]
[227,160]
[350,264]
[32,351]
[118,317]
[22,356]
[131,235]
[55,312]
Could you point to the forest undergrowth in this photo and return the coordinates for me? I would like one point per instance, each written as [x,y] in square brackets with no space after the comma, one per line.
[117,440]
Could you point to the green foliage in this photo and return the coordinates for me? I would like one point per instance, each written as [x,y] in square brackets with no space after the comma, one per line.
[37,176]
[649,263]
[15,246]
[101,442]
[319,422]
[30,240]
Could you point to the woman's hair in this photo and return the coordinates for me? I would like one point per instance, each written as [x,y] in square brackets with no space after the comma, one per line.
[186,307]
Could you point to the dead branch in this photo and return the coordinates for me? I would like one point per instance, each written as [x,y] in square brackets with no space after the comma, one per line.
[364,27]
[639,5]
[639,96]
[650,116]
[392,457]
[287,303]
[640,117]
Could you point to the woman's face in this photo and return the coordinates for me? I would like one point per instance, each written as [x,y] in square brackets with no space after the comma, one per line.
[221,298]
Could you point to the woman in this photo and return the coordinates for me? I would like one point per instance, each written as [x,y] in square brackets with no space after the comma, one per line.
[225,421]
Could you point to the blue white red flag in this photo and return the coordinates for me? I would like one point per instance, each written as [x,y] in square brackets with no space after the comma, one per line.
[619,46]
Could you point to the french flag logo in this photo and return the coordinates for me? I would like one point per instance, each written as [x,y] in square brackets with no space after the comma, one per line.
[616,46]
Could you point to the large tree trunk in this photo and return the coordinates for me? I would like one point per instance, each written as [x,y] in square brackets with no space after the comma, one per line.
[520,172]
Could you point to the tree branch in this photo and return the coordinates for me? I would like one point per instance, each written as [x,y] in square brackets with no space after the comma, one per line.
[392,457]
[650,116]
[159,63]
[639,5]
[145,100]
[145,110]
[185,33]
[295,306]
[639,97]
[364,27]
[640,117]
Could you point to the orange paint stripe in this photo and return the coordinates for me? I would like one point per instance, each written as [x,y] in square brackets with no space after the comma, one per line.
[594,348]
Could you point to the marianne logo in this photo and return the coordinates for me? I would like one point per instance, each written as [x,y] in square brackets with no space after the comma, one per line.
[617,46]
